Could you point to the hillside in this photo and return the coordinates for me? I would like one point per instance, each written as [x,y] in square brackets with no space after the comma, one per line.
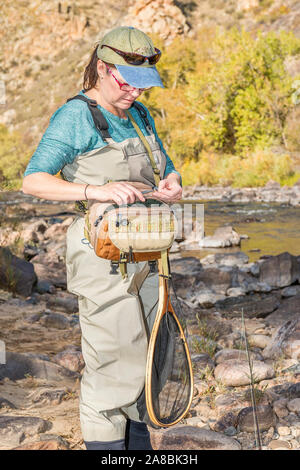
[45,45]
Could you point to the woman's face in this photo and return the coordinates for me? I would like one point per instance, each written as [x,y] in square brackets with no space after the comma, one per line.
[110,89]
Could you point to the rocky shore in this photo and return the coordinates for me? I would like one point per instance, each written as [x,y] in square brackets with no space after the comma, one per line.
[271,192]
[39,328]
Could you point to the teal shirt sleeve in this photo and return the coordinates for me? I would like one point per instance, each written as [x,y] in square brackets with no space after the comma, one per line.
[170,168]
[69,133]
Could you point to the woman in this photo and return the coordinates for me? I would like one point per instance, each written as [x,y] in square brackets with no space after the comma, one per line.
[115,315]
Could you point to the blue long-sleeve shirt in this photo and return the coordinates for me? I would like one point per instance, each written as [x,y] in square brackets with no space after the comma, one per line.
[71,132]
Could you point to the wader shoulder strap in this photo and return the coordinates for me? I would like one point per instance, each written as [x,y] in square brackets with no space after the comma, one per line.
[143,115]
[147,146]
[98,117]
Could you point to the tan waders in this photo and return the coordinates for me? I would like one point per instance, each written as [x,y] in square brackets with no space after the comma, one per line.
[115,314]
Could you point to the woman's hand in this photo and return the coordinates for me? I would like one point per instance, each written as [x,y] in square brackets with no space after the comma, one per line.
[169,189]
[119,192]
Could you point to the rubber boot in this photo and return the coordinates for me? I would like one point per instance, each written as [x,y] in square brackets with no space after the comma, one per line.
[109,445]
[137,436]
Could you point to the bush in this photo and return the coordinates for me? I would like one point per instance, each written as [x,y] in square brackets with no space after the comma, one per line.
[227,100]
[13,159]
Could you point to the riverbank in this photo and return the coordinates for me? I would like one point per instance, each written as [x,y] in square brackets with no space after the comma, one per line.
[271,192]
[39,326]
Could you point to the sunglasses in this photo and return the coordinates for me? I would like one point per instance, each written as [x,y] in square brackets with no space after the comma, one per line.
[136,59]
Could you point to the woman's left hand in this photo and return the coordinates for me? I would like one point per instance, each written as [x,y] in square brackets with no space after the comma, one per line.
[169,189]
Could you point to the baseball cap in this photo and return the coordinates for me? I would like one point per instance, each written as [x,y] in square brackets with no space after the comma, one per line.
[129,39]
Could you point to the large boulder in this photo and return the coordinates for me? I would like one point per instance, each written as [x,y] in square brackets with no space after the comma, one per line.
[223,236]
[18,366]
[192,438]
[16,275]
[265,416]
[235,373]
[253,306]
[286,340]
[280,271]
[15,429]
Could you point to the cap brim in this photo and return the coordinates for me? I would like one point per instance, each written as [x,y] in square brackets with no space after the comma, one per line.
[140,77]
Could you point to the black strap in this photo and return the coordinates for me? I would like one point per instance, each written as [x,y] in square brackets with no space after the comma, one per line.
[143,115]
[98,117]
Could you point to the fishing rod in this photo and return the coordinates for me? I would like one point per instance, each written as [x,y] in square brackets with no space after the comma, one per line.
[252,392]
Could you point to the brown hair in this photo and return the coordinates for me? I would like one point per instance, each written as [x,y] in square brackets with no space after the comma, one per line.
[90,76]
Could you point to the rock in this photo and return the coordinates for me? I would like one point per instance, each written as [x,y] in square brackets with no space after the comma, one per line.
[244,5]
[55,231]
[175,248]
[286,340]
[8,237]
[52,443]
[164,18]
[54,275]
[293,391]
[196,421]
[279,445]
[55,320]
[265,415]
[44,287]
[72,360]
[235,373]
[6,404]
[229,420]
[16,275]
[14,429]
[185,265]
[256,286]
[236,291]
[33,318]
[283,430]
[294,405]
[66,304]
[255,269]
[280,271]
[290,291]
[201,387]
[226,259]
[48,396]
[235,354]
[254,306]
[207,300]
[279,407]
[220,279]
[38,227]
[231,431]
[192,438]
[259,341]
[18,365]
[223,236]
[289,309]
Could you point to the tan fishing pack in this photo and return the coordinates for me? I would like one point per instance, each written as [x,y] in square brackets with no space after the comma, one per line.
[141,231]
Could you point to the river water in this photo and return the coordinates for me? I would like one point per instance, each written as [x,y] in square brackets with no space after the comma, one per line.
[271,228]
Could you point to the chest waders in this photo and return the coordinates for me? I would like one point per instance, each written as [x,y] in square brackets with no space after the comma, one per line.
[114,314]
[168,391]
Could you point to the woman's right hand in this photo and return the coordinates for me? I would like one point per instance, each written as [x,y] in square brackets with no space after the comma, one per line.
[118,192]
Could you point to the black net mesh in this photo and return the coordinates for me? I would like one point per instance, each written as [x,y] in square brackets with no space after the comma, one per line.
[171,379]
